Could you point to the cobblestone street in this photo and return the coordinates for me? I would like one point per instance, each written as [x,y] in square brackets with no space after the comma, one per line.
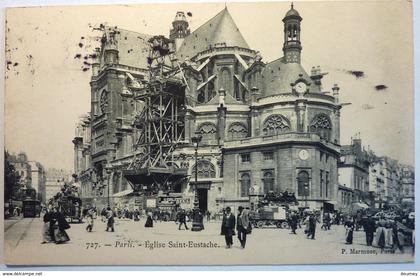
[132,243]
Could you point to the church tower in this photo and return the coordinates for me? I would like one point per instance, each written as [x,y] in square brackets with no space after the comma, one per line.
[180,29]
[292,46]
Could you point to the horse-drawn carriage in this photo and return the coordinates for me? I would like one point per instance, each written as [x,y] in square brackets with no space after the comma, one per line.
[272,210]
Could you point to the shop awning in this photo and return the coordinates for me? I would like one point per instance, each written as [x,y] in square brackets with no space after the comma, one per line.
[333,202]
[358,205]
[123,193]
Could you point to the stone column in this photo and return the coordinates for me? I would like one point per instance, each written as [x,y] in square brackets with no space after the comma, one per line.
[255,122]
[221,123]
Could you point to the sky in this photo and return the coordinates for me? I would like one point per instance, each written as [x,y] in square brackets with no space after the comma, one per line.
[47,90]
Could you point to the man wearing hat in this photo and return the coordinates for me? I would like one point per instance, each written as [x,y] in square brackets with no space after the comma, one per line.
[369,227]
[242,225]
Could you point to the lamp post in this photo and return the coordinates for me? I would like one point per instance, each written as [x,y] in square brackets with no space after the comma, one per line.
[108,172]
[196,225]
[306,194]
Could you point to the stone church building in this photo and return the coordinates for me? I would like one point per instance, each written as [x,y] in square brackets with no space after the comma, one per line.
[264,126]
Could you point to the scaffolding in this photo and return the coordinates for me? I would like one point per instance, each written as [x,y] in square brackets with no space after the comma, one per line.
[160,124]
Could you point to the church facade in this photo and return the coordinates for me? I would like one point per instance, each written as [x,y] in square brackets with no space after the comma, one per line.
[265,127]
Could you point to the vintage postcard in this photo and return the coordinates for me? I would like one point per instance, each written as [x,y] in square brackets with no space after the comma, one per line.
[209,134]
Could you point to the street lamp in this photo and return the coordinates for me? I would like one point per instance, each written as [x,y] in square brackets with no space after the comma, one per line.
[108,169]
[306,187]
[196,225]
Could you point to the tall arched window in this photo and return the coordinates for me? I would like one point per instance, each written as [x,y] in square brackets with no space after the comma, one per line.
[268,180]
[303,183]
[245,184]
[237,130]
[225,80]
[276,124]
[321,124]
[205,169]
[208,131]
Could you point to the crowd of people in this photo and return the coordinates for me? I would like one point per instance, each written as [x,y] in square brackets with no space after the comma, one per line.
[382,233]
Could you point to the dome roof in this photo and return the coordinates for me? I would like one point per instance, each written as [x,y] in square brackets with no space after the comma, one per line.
[292,13]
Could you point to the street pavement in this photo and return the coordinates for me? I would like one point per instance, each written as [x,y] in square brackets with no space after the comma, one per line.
[164,244]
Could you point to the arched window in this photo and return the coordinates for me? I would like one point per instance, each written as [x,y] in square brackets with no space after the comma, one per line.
[268,180]
[276,124]
[303,183]
[225,80]
[245,184]
[205,169]
[208,132]
[237,131]
[321,124]
[201,98]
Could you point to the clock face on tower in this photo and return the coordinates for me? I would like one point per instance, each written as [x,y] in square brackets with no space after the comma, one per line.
[300,87]
[303,154]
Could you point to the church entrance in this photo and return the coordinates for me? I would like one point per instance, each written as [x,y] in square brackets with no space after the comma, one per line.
[202,199]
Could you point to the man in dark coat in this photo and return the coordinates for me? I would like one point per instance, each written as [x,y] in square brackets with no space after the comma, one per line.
[369,227]
[293,221]
[228,227]
[110,220]
[312,226]
[182,220]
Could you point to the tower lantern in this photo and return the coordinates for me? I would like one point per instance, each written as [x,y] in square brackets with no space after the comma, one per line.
[180,29]
[292,46]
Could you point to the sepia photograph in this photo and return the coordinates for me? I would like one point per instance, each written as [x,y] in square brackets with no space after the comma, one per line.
[237,133]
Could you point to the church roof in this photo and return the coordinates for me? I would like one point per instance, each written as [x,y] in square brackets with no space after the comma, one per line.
[221,29]
[278,76]
[132,47]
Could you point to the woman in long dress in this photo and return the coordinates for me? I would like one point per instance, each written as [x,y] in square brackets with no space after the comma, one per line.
[349,225]
[379,240]
[60,225]
[149,221]
[46,233]
[388,235]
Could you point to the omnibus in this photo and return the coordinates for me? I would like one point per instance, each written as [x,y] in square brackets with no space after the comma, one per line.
[31,208]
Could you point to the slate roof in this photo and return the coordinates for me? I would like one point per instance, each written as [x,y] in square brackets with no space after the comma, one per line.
[132,47]
[278,76]
[219,29]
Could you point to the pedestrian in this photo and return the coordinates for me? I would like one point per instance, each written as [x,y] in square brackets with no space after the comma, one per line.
[149,220]
[379,240]
[136,215]
[59,225]
[349,226]
[103,214]
[369,228]
[396,238]
[46,233]
[243,225]
[293,222]
[228,227]
[388,235]
[208,215]
[110,219]
[89,217]
[312,226]
[182,219]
